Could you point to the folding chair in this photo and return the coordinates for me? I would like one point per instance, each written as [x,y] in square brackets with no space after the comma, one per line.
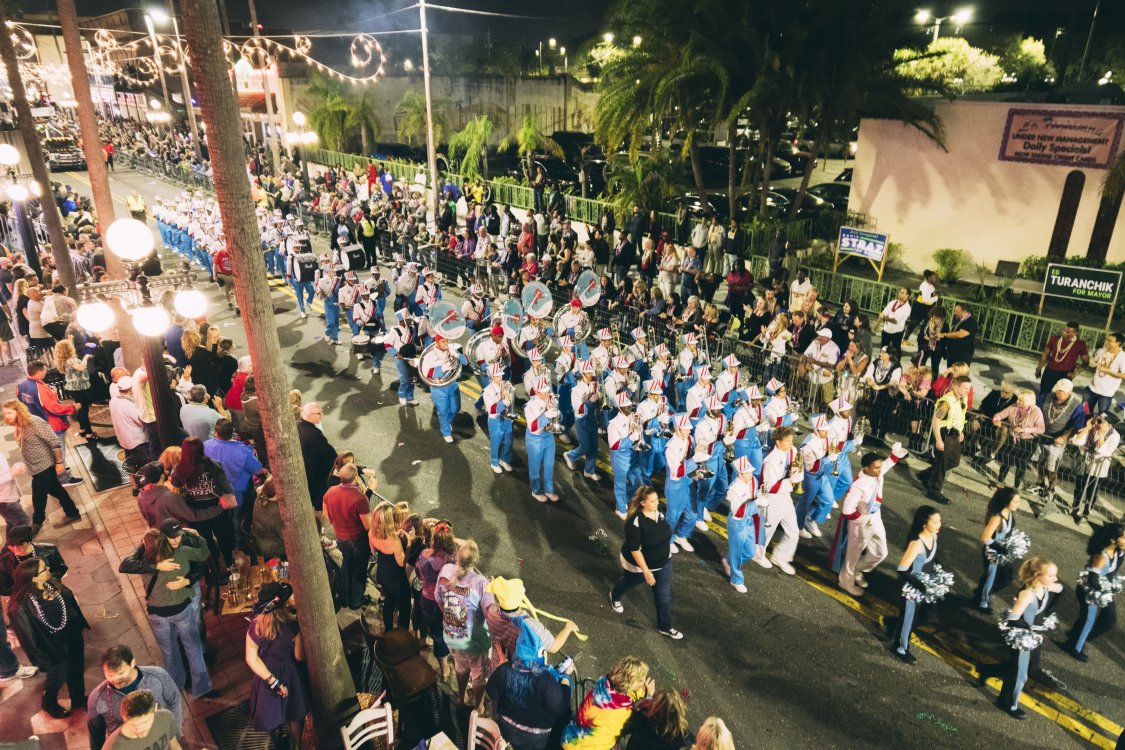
[370,724]
[484,734]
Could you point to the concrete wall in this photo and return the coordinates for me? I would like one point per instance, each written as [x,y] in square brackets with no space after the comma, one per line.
[967,197]
[560,104]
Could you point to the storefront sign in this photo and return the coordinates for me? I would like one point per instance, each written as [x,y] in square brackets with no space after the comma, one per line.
[1085,284]
[870,245]
[1062,137]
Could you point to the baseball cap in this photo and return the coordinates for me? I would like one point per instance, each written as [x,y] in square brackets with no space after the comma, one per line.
[171,527]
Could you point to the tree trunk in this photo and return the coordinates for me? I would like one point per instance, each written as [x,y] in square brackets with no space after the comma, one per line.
[732,171]
[333,694]
[363,139]
[821,137]
[34,149]
[697,171]
[767,165]
[96,167]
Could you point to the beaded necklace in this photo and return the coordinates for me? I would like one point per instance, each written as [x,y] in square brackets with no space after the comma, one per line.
[54,594]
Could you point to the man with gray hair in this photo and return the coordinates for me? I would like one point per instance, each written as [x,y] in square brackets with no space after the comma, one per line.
[318,453]
[1062,417]
[197,417]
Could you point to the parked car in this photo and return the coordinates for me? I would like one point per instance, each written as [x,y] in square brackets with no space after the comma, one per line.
[810,204]
[836,193]
[798,159]
[63,153]
[844,176]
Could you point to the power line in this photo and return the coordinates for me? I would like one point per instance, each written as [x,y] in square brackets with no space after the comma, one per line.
[491,14]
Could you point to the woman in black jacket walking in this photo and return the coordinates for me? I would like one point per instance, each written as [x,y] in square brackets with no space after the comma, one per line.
[45,617]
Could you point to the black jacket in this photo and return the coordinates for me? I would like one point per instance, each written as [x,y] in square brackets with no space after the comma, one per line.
[43,648]
[319,456]
[49,553]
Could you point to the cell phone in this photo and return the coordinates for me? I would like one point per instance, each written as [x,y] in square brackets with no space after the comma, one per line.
[567,665]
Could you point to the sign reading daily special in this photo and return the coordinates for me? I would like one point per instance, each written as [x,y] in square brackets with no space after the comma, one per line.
[1065,138]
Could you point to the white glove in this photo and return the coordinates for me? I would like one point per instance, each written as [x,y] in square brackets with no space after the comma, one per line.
[552,413]
[898,451]
[700,458]
[857,441]
[728,440]
[797,477]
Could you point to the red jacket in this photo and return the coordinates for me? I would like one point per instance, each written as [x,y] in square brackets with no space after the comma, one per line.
[56,412]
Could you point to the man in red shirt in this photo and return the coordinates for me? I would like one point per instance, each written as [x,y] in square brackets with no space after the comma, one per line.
[224,273]
[347,510]
[1061,357]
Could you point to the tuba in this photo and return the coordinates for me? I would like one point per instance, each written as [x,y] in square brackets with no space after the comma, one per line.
[508,393]
[582,326]
[502,358]
[446,321]
[544,341]
[636,427]
[452,368]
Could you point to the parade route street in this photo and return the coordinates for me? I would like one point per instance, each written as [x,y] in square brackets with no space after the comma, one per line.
[794,663]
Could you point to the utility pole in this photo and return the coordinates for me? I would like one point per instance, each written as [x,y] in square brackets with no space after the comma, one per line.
[159,65]
[1090,36]
[185,86]
[431,147]
[333,694]
[275,157]
[34,149]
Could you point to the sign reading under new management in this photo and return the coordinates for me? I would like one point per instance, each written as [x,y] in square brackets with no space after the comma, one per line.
[871,246]
[1084,284]
[1064,138]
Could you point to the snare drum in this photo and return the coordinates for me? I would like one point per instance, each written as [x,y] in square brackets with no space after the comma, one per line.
[361,343]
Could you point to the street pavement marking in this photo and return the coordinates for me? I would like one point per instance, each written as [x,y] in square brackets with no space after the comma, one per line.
[86,180]
[877,610]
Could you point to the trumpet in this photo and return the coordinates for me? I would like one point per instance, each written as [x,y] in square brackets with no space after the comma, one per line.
[508,395]
[798,467]
[555,427]
[702,472]
[728,456]
[636,427]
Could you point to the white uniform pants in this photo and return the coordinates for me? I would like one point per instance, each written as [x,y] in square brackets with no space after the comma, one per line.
[867,547]
[781,513]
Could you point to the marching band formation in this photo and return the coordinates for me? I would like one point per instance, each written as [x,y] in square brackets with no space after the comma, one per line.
[714,437]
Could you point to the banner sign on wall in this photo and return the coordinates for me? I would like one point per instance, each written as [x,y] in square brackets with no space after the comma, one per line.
[1085,284]
[1063,138]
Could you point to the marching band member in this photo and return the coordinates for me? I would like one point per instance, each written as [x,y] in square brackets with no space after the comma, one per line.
[681,460]
[779,474]
[779,410]
[365,314]
[746,422]
[568,323]
[427,292]
[564,377]
[617,381]
[599,355]
[438,363]
[655,415]
[536,371]
[687,367]
[860,543]
[584,399]
[695,399]
[488,353]
[328,289]
[271,241]
[301,270]
[727,383]
[541,409]
[661,367]
[844,444]
[528,337]
[709,432]
[498,406]
[745,532]
[405,283]
[625,433]
[641,353]
[402,344]
[348,295]
[817,497]
[475,309]
[380,290]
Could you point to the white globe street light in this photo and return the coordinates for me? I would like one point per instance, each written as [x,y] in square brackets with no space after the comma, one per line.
[151,321]
[9,155]
[299,119]
[190,303]
[17,193]
[129,239]
[95,316]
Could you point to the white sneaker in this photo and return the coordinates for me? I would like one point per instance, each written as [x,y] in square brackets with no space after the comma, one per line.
[22,673]
[707,515]
[402,402]
[740,587]
[762,561]
[672,633]
[328,339]
[497,470]
[569,464]
[359,356]
[539,498]
[505,466]
[853,590]
[835,505]
[860,580]
[702,526]
[592,477]
[554,498]
[374,370]
[814,529]
[614,605]
[413,402]
[675,549]
[785,567]
[447,438]
[684,544]
[304,316]
[620,515]
[804,534]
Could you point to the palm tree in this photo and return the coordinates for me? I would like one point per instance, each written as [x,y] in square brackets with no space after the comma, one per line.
[647,181]
[1114,185]
[410,118]
[361,115]
[471,143]
[341,110]
[528,140]
[333,691]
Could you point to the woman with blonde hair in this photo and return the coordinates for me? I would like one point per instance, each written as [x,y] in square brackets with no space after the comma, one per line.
[608,706]
[77,383]
[390,570]
[42,455]
[460,596]
[204,369]
[295,398]
[713,735]
[170,457]
[1023,422]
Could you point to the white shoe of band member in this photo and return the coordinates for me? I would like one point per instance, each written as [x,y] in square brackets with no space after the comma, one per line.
[569,464]
[804,534]
[675,549]
[813,528]
[785,567]
[860,580]
[447,438]
[620,515]
[505,466]
[761,560]
[402,402]
[702,526]
[684,544]
[592,477]
[374,370]
[497,470]
[853,590]
[413,402]
[540,498]
[552,497]
[739,587]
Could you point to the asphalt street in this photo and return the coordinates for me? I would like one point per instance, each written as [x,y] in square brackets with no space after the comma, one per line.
[794,663]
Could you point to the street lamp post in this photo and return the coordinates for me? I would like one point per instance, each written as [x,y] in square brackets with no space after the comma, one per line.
[156,60]
[160,16]
[143,298]
[961,17]
[156,114]
[20,191]
[299,140]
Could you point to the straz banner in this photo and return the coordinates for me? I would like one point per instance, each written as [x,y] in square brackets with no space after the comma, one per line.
[1063,138]
[870,245]
[1085,284]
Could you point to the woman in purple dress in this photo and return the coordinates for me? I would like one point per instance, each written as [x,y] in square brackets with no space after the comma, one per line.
[273,648]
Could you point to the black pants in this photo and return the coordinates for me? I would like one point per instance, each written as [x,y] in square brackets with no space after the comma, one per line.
[47,483]
[396,600]
[371,249]
[82,414]
[1016,452]
[918,315]
[67,672]
[892,341]
[945,460]
[1085,494]
[219,533]
[1050,377]
[353,582]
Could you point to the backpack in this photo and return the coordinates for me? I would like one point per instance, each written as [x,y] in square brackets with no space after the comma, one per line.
[305,266]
